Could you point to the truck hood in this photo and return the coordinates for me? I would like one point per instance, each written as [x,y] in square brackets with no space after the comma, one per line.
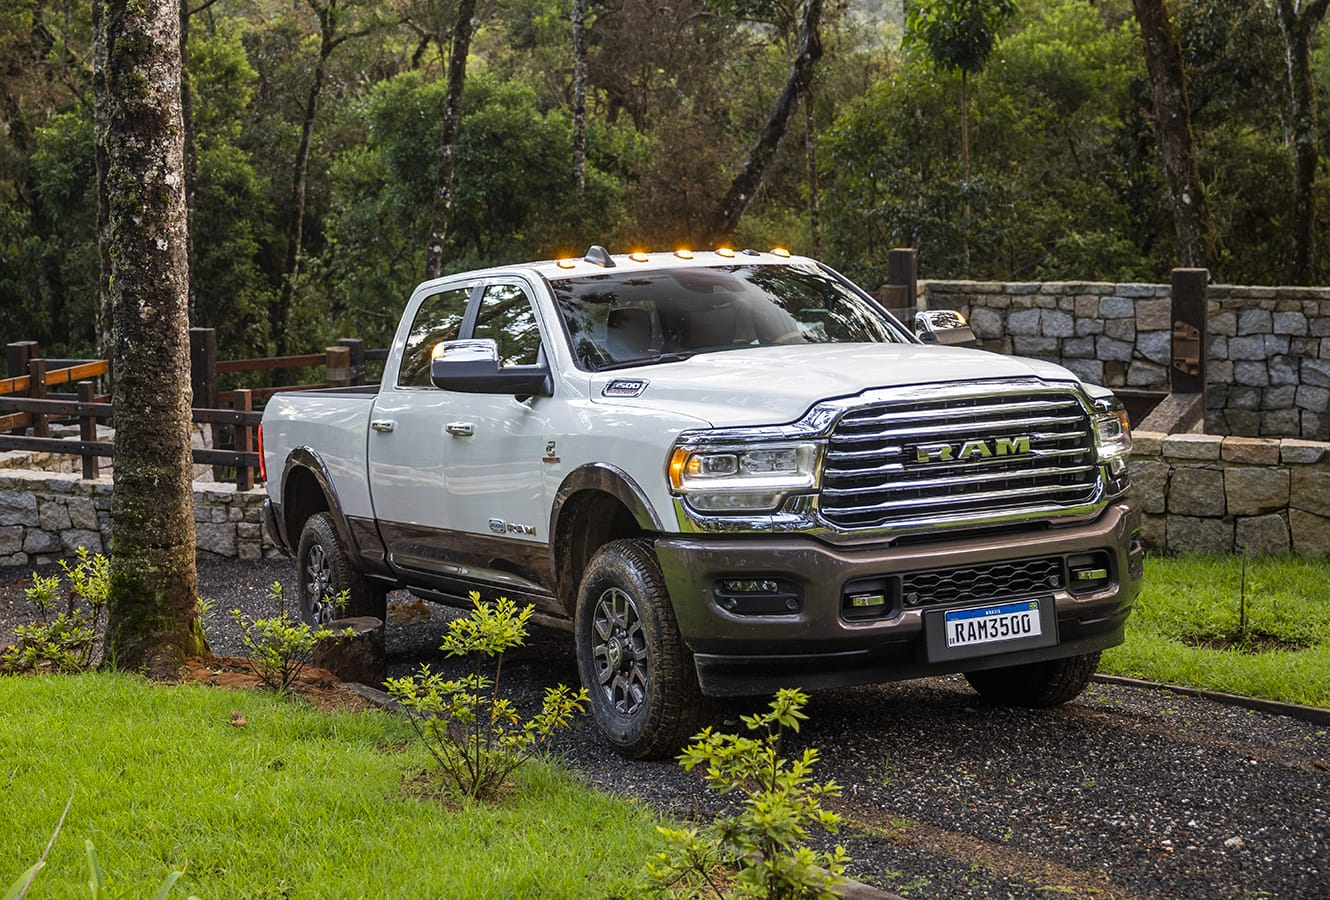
[777,385]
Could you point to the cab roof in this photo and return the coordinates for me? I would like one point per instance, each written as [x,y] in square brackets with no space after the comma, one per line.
[599,261]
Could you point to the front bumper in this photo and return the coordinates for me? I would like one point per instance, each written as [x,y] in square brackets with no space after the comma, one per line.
[824,641]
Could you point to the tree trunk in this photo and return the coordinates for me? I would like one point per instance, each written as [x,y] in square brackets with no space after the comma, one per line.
[1163,60]
[452,126]
[725,217]
[295,229]
[152,610]
[579,95]
[965,168]
[191,155]
[1298,28]
[814,187]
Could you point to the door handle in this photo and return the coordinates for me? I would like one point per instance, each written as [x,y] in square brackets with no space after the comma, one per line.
[383,426]
[461,429]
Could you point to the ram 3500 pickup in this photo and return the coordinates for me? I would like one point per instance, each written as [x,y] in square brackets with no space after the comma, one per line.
[723,473]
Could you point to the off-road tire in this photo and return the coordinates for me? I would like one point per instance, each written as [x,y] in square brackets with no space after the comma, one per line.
[323,570]
[643,687]
[1048,683]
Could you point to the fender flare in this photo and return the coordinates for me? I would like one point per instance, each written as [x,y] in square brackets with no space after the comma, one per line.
[309,460]
[610,480]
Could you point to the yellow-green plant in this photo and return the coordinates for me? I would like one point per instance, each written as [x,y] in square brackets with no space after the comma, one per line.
[68,642]
[281,646]
[476,736]
[763,845]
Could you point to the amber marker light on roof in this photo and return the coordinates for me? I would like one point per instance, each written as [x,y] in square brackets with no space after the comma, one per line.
[683,253]
[638,256]
[724,251]
[780,251]
[566,263]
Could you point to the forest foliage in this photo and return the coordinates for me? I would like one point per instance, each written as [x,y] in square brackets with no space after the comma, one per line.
[1065,180]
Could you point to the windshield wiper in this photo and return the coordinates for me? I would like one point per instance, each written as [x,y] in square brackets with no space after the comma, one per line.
[673,356]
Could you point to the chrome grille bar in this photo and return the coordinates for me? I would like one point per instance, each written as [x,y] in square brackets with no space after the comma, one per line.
[889,464]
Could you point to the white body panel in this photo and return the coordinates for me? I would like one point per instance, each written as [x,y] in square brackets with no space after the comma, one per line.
[513,464]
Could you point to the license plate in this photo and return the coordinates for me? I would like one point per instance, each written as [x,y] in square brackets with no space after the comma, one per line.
[990,624]
[1003,627]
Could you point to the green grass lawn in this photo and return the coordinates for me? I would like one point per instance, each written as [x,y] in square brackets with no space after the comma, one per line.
[1189,609]
[296,803]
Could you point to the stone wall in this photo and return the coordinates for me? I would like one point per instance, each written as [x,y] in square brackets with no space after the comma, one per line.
[1205,493]
[1269,353]
[46,516]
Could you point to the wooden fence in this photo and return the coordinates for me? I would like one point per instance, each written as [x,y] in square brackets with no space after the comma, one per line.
[27,403]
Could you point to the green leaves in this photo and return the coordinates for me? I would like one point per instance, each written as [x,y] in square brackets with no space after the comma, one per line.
[68,642]
[764,841]
[958,34]
[477,737]
[489,630]
[280,647]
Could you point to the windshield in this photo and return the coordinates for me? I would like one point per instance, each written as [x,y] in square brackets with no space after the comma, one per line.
[625,318]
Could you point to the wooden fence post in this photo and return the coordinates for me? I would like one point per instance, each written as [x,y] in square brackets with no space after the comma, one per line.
[88,426]
[901,291]
[17,355]
[242,402]
[1191,338]
[339,366]
[357,359]
[37,391]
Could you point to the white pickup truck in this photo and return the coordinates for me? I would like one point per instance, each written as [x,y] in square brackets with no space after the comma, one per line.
[724,472]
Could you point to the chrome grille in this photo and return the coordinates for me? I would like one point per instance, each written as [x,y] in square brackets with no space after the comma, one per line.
[885,466]
[982,584]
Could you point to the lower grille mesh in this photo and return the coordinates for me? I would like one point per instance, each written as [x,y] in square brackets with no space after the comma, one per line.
[982,584]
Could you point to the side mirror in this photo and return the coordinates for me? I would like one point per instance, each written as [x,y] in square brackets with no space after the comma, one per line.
[473,367]
[942,326]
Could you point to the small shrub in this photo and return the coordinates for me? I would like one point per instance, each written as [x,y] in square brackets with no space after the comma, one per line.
[281,646]
[68,642]
[475,735]
[760,851]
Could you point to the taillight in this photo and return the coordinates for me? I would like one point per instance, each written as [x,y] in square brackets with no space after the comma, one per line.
[263,470]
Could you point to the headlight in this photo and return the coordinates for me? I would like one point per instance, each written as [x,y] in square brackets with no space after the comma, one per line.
[724,479]
[1112,434]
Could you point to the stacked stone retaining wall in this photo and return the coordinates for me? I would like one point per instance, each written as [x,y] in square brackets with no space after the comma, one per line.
[46,516]
[1269,354]
[1204,493]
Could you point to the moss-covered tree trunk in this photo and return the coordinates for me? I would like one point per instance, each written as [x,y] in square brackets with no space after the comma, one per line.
[153,608]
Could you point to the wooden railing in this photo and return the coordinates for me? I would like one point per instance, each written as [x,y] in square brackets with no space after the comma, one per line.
[28,405]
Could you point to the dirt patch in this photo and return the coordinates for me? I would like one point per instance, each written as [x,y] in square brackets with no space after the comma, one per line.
[319,686]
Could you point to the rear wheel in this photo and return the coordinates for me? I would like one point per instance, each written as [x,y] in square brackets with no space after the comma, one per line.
[325,571]
[1036,684]
[641,680]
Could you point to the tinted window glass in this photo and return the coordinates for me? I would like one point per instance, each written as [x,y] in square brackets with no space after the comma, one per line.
[506,316]
[438,319]
[627,318]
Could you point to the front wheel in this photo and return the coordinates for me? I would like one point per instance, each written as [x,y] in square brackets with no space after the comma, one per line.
[325,571]
[1048,683]
[641,680]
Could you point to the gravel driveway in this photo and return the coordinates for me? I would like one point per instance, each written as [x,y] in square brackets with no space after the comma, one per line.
[1126,792]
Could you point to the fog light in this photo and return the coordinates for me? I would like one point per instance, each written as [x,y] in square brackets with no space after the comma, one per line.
[736,586]
[758,596]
